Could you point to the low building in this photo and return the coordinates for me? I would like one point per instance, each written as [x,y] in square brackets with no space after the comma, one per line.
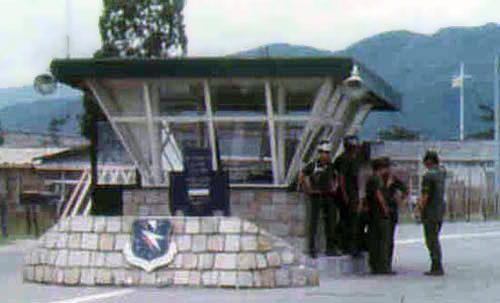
[259,118]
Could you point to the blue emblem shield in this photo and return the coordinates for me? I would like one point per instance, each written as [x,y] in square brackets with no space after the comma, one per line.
[151,244]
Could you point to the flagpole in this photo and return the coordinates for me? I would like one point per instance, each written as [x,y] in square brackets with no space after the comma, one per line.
[462,100]
[496,90]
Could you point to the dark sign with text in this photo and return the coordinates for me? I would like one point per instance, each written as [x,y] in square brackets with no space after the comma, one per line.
[198,167]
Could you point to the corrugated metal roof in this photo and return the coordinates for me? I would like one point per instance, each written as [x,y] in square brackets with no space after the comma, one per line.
[456,150]
[24,157]
[74,71]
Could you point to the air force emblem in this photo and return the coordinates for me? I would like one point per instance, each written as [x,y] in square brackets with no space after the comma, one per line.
[151,245]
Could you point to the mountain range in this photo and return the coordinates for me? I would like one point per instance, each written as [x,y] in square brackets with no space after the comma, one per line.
[417,65]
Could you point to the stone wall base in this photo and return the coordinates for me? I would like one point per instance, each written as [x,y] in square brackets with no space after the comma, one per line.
[211,252]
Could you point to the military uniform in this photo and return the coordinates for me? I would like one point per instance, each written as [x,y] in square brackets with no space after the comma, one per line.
[433,184]
[322,177]
[379,228]
[351,228]
[390,196]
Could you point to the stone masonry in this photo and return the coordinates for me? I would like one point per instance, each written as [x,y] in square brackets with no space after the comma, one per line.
[283,213]
[212,252]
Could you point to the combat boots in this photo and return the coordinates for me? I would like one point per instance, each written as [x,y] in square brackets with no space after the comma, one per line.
[436,270]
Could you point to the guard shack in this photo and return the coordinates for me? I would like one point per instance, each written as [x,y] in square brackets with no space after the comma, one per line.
[258,121]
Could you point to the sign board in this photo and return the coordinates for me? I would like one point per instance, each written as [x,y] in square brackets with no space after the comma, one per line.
[198,167]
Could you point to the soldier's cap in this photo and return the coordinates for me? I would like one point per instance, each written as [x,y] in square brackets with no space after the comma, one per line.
[432,156]
[382,162]
[325,146]
[350,141]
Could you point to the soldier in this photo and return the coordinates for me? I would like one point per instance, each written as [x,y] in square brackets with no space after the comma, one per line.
[394,192]
[379,227]
[319,182]
[432,207]
[348,166]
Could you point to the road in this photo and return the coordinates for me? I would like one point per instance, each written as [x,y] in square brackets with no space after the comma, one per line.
[472,254]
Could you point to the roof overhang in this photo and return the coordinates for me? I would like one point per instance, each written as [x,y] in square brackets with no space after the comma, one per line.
[75,72]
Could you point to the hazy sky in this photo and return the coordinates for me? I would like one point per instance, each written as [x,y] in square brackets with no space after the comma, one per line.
[32,31]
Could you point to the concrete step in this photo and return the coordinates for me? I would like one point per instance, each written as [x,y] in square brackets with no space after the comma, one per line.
[336,267]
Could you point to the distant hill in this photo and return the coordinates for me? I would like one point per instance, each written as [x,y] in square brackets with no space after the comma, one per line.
[35,116]
[419,66]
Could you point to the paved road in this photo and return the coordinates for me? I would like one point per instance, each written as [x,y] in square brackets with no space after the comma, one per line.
[472,262]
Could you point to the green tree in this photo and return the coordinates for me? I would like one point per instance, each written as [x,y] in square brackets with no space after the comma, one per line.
[140,29]
[143,28]
[54,129]
[488,116]
[398,133]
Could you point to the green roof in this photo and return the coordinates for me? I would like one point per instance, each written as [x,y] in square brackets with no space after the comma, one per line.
[74,71]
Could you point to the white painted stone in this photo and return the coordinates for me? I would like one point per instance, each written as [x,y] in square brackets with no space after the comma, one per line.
[194,278]
[148,278]
[206,261]
[97,259]
[199,243]
[210,278]
[249,243]
[227,279]
[113,224]
[287,257]
[164,278]
[247,261]
[261,261]
[88,276]
[121,240]
[106,242]
[78,258]
[250,228]
[192,225]
[245,279]
[64,225]
[82,223]
[62,240]
[114,260]
[62,258]
[225,261]
[230,225]
[189,261]
[215,243]
[181,277]
[183,243]
[89,241]
[74,241]
[232,243]
[209,225]
[99,224]
[282,278]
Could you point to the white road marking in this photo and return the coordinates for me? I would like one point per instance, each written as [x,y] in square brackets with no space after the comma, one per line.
[97,297]
[451,237]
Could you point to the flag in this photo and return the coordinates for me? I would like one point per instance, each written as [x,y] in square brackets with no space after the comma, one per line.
[457,81]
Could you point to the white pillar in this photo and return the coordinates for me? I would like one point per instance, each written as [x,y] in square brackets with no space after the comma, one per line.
[272,134]
[154,138]
[462,97]
[210,123]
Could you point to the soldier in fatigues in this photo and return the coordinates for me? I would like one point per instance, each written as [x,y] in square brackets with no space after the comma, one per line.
[380,223]
[319,182]
[432,209]
[348,165]
[394,192]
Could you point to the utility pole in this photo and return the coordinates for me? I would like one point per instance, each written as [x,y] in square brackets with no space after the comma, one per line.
[68,29]
[459,81]
[462,101]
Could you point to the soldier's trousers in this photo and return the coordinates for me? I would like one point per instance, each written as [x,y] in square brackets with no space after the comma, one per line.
[379,233]
[322,204]
[431,235]
[392,233]
[4,218]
